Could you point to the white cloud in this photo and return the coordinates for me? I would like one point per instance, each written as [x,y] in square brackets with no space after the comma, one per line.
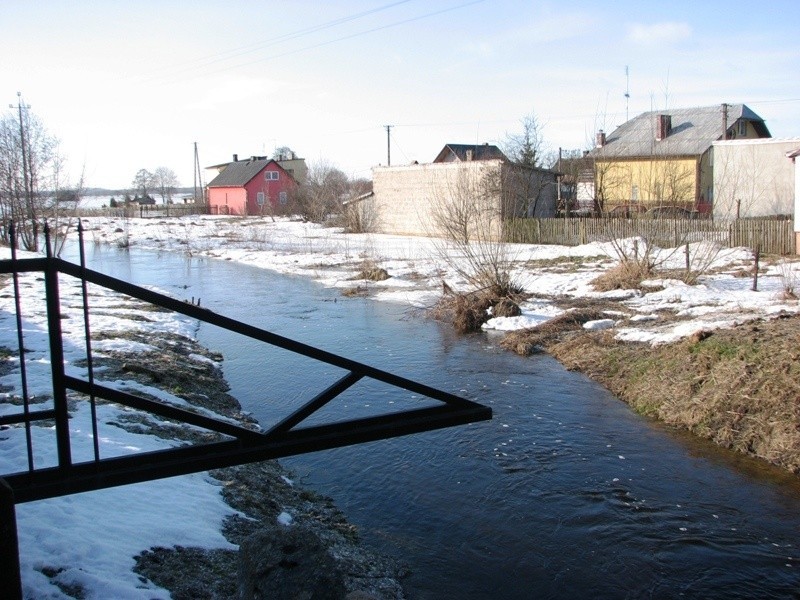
[658,33]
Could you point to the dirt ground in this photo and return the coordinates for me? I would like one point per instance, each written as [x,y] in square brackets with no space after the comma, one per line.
[738,387]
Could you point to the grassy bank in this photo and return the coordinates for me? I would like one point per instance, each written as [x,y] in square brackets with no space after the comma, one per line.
[738,387]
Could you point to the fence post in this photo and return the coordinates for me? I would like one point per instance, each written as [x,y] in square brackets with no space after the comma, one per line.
[756,260]
[9,544]
[53,302]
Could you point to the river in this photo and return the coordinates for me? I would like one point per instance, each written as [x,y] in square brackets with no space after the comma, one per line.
[565,493]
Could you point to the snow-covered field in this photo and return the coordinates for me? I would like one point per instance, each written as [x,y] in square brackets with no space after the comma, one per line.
[722,298]
[89,540]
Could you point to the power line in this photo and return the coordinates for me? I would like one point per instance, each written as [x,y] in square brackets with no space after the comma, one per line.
[211,59]
[346,37]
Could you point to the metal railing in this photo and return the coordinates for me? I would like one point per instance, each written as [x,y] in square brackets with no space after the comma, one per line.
[235,444]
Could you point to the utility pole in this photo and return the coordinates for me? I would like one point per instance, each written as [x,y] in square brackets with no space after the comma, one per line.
[198,180]
[27,191]
[388,146]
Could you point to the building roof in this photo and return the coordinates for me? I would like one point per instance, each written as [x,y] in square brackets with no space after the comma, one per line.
[459,153]
[691,132]
[239,173]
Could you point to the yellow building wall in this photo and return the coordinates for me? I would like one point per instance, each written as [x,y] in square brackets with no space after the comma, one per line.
[657,181]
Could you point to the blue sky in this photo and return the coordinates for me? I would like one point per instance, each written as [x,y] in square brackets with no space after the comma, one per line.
[131,85]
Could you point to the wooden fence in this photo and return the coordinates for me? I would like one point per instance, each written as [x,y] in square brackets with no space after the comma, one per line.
[771,236]
[146,210]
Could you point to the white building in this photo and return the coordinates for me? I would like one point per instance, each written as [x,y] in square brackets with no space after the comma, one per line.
[793,155]
[752,178]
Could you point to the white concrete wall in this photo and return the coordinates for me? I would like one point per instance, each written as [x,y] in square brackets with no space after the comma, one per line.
[406,196]
[756,175]
[796,165]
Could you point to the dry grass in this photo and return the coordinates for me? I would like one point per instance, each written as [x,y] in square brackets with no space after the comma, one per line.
[372,272]
[467,312]
[355,292]
[528,341]
[739,388]
[626,275]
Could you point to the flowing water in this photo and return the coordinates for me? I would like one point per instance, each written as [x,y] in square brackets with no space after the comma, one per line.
[565,493]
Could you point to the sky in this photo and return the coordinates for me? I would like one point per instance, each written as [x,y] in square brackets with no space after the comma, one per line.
[132,85]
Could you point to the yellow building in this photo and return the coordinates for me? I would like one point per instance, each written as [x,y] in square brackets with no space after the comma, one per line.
[665,158]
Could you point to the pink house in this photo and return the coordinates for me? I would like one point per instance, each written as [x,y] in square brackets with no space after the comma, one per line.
[253,186]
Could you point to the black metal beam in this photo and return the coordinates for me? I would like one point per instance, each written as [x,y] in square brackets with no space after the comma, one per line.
[207,316]
[9,544]
[316,403]
[84,477]
[38,415]
[161,409]
[56,340]
[23,265]
[284,439]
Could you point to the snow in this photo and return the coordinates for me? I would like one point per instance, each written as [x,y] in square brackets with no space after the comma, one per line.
[599,324]
[94,536]
[91,538]
[722,298]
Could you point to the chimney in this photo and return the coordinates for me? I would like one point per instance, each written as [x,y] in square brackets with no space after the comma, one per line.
[235,158]
[469,154]
[663,125]
[600,139]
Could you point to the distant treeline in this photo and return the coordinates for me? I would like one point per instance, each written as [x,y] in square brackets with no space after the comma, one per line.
[122,192]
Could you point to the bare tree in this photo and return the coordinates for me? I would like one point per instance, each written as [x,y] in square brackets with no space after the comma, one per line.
[63,210]
[143,181]
[527,147]
[361,214]
[165,181]
[668,183]
[32,175]
[321,196]
[467,208]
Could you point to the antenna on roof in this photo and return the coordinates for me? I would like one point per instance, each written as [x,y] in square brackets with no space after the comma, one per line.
[627,91]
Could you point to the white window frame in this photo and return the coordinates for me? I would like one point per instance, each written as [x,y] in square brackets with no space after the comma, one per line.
[260,198]
[283,198]
[742,128]
[271,175]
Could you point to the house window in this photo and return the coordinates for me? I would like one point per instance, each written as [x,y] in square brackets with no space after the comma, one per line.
[271,175]
[260,198]
[635,193]
[282,198]
[742,128]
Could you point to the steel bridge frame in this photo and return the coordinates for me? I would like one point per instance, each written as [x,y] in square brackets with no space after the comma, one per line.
[242,445]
